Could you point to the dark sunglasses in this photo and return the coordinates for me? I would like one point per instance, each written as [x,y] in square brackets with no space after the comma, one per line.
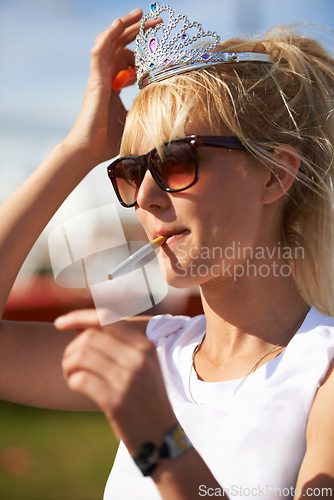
[174,169]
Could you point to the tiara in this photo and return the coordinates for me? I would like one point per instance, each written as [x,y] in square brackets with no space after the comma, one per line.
[179,46]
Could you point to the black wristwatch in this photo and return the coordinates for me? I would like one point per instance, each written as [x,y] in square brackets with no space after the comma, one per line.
[174,444]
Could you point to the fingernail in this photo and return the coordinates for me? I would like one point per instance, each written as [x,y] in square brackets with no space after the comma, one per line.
[135,11]
[122,78]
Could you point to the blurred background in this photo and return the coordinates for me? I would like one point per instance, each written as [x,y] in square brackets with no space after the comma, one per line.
[44,57]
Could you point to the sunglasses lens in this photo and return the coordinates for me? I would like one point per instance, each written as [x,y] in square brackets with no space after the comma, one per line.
[128,175]
[176,169]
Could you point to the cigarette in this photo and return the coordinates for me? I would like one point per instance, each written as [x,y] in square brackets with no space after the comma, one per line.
[127,264]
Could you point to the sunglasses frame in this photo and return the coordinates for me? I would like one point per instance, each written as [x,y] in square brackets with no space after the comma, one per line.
[195,141]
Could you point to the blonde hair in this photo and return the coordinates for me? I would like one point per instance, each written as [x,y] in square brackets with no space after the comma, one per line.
[289,101]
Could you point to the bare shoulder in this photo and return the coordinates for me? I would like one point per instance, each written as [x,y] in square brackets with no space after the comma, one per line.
[317,470]
[322,410]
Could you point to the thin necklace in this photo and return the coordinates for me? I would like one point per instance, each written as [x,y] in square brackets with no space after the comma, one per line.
[286,335]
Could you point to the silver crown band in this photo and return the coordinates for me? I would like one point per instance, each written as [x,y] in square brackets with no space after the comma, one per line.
[162,52]
[221,58]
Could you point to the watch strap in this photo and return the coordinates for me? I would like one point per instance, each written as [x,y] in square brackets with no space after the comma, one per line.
[174,444]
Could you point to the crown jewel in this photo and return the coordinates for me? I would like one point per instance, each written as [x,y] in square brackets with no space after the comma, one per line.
[179,46]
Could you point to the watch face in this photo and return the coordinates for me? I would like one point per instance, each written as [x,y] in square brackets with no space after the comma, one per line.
[148,453]
[175,443]
[147,458]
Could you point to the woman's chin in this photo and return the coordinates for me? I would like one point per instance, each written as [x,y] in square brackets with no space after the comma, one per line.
[177,276]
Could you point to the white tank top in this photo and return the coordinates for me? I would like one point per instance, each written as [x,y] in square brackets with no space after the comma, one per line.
[252,439]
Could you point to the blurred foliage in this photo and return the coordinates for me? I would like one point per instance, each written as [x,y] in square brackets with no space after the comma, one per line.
[52,455]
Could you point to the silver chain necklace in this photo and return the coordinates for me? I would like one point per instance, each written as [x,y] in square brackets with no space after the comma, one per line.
[286,335]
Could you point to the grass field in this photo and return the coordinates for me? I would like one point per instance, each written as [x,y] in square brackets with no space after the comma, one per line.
[53,455]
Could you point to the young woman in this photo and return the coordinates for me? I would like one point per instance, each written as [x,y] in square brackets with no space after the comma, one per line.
[237,402]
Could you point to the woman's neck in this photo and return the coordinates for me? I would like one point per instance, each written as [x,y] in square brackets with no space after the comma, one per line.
[244,319]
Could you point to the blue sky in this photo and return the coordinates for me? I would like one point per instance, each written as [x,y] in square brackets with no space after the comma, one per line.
[44,58]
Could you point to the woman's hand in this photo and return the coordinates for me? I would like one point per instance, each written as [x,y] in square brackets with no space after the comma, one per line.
[99,126]
[118,368]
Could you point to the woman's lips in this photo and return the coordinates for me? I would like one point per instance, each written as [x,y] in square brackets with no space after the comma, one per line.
[176,236]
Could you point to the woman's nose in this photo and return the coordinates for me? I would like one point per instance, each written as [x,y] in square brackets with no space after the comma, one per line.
[150,194]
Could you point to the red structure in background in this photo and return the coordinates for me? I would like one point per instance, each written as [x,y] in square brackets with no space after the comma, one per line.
[40,299]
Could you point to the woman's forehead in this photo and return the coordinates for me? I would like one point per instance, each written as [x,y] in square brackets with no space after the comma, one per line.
[143,140]
[153,121]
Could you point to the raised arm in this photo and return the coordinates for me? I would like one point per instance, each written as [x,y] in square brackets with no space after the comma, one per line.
[94,138]
[31,354]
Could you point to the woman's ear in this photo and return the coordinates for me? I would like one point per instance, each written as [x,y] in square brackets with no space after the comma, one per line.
[284,173]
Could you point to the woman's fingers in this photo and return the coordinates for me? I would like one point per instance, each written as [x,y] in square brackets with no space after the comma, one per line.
[127,24]
[103,341]
[118,368]
[131,18]
[107,52]
[131,32]
[88,318]
[113,362]
[123,30]
[120,343]
[83,356]
[105,367]
[110,56]
[120,33]
[87,321]
[78,320]
[85,318]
